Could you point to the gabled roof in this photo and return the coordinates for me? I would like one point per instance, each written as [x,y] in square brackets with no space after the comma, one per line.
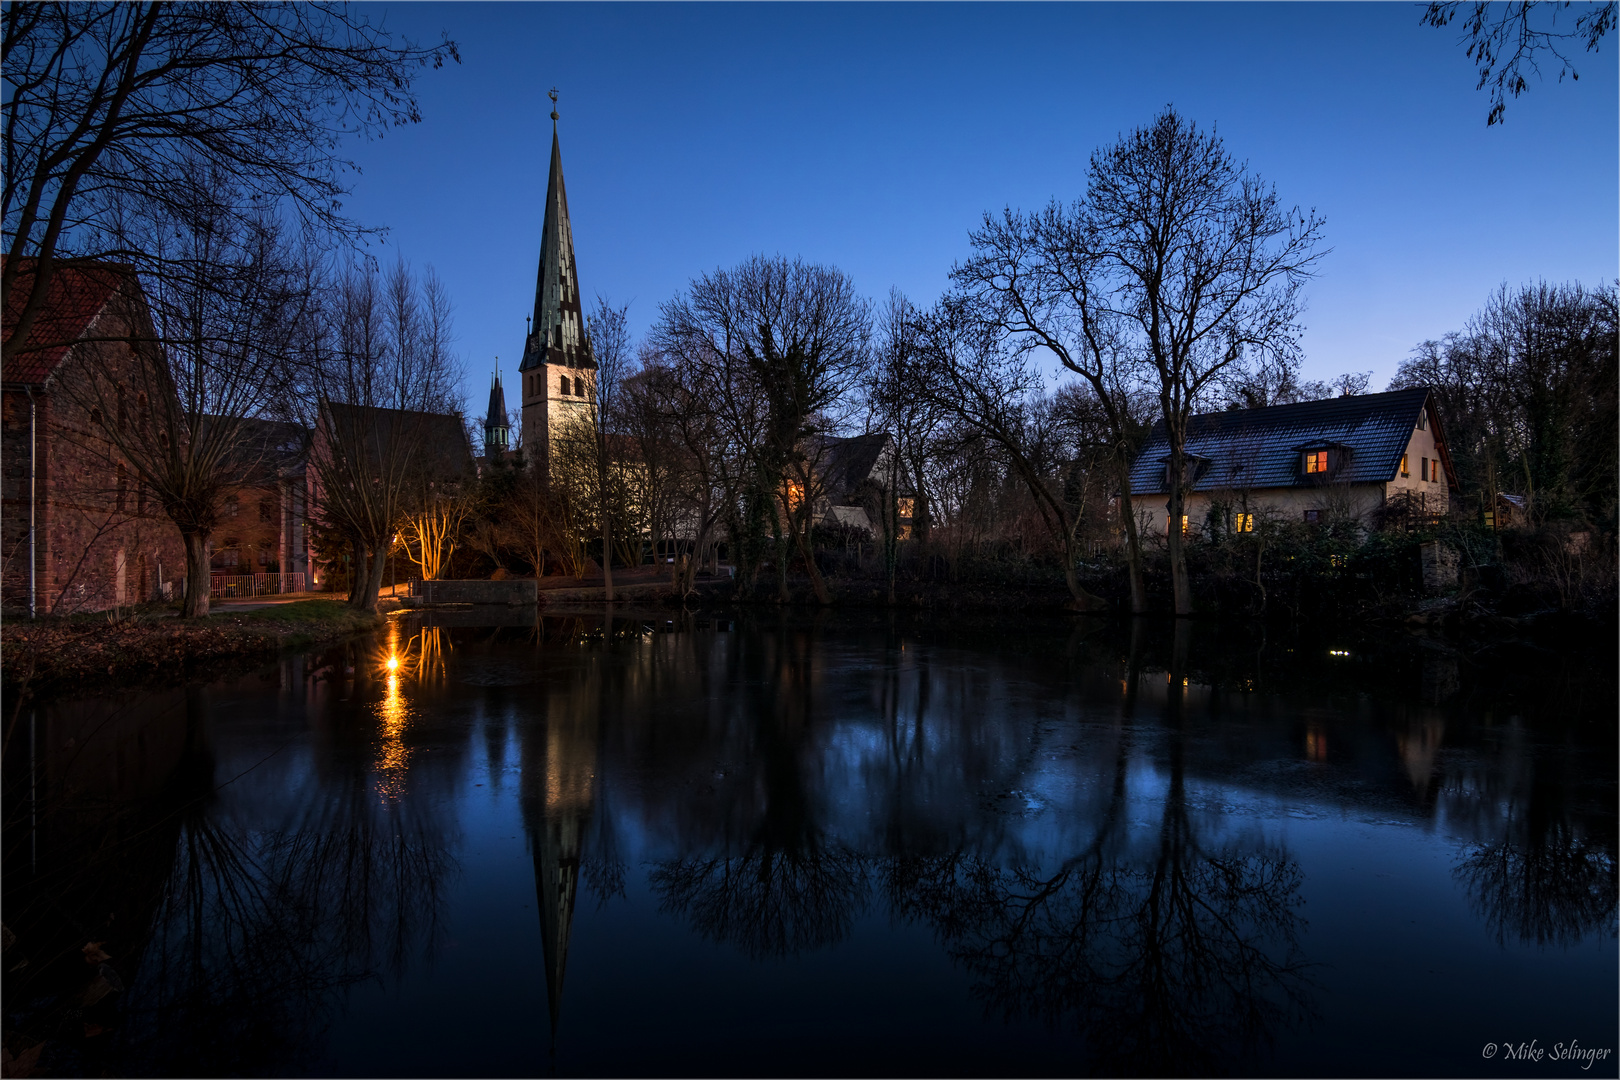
[75,296]
[1260,448]
[439,439]
[846,462]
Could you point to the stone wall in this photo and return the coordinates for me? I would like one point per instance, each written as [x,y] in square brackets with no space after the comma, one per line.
[512,591]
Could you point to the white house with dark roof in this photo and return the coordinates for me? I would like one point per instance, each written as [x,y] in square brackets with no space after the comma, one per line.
[1336,459]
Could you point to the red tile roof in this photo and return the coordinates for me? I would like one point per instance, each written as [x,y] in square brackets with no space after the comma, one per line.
[76,295]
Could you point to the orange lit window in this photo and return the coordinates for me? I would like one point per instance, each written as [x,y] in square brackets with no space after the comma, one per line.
[1337,561]
[1404,470]
[1243,523]
[1186,529]
[1316,461]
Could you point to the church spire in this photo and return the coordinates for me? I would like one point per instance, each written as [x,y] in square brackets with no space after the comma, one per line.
[557,335]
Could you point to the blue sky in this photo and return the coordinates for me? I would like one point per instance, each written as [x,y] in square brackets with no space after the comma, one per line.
[873,137]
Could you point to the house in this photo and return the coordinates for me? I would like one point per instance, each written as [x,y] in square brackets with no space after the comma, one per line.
[78,531]
[364,461]
[263,518]
[1344,458]
[854,474]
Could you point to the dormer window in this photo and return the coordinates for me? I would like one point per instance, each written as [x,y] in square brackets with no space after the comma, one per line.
[1315,461]
[1423,420]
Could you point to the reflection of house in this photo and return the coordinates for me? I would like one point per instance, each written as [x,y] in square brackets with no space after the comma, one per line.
[80,533]
[1340,458]
[854,475]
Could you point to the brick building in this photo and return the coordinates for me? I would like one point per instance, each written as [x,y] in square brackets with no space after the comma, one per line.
[77,531]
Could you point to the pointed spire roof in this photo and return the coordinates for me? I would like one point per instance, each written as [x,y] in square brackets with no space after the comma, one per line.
[557,335]
[496,417]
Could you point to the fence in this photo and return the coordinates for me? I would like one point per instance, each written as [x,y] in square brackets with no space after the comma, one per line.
[228,585]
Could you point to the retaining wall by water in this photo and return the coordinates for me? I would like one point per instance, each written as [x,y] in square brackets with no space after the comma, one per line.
[514,591]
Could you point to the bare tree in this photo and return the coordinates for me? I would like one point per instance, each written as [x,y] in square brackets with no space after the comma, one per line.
[382,394]
[1508,40]
[214,330]
[1040,279]
[996,395]
[609,331]
[791,336]
[109,106]
[1200,267]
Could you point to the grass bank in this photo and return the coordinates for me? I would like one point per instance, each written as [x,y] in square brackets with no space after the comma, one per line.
[105,651]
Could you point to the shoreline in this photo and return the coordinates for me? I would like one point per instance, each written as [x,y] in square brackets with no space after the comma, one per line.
[96,653]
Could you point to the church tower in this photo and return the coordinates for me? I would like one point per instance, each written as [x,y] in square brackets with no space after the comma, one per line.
[557,368]
[496,434]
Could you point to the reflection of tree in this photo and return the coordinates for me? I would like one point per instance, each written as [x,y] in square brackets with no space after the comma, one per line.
[1553,890]
[259,928]
[1548,878]
[768,901]
[1168,955]
[790,890]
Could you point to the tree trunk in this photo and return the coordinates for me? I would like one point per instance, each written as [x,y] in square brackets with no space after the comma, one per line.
[359,567]
[1180,585]
[607,560]
[782,594]
[370,585]
[198,583]
[1083,600]
[1133,549]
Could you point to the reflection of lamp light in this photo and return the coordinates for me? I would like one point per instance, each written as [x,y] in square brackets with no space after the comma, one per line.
[393,663]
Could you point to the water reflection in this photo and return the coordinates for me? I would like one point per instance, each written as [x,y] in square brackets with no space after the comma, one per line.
[1090,823]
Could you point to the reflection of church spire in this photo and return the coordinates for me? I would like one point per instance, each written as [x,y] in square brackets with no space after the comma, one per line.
[556,817]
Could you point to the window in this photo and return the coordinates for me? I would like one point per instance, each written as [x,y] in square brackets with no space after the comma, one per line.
[1312,516]
[267,510]
[565,385]
[1423,420]
[1336,561]
[1425,462]
[232,507]
[1316,461]
[1405,471]
[123,486]
[1243,523]
[1186,528]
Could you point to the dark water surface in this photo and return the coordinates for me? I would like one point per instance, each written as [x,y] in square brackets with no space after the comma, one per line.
[824,845]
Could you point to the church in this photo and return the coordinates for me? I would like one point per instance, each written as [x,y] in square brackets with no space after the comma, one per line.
[557,370]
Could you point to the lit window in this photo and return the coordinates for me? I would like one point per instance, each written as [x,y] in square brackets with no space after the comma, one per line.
[1316,461]
[1243,523]
[1336,561]
[1404,470]
[1186,529]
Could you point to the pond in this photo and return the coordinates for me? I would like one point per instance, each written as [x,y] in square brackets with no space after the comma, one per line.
[824,844]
